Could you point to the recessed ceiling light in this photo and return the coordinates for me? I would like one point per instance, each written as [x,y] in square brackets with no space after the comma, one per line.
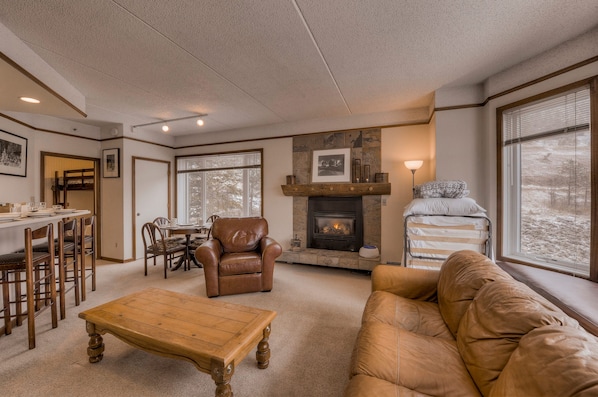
[199,122]
[29,100]
[165,128]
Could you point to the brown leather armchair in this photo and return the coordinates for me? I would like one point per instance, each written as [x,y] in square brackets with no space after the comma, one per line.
[239,258]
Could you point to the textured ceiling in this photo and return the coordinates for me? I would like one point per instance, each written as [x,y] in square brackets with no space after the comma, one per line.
[261,62]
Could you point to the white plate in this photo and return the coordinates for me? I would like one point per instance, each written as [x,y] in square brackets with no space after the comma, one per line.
[184,224]
[9,215]
[39,214]
[65,211]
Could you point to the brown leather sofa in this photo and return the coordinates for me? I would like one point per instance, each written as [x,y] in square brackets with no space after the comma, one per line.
[239,258]
[469,329]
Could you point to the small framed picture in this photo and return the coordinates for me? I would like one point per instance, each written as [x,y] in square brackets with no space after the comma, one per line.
[111,163]
[333,165]
[13,154]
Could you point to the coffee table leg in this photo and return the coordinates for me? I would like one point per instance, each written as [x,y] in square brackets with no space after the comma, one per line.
[95,350]
[263,350]
[222,376]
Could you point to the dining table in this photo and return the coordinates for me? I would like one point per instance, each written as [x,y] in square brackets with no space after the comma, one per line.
[188,257]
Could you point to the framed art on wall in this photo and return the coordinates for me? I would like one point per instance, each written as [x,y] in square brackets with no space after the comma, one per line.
[13,154]
[111,163]
[332,165]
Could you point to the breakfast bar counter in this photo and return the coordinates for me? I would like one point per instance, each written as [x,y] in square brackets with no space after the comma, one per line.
[11,232]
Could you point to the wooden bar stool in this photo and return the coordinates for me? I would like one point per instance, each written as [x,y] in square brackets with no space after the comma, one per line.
[87,247]
[65,248]
[40,281]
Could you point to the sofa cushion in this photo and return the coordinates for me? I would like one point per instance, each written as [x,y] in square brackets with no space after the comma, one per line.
[367,386]
[501,313]
[421,363]
[551,361]
[461,276]
[416,316]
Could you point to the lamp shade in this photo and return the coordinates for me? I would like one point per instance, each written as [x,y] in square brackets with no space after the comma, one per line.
[414,164]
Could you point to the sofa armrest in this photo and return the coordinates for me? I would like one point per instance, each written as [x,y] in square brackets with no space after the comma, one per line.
[208,254]
[409,283]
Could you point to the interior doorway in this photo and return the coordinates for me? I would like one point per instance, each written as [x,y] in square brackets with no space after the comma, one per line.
[73,182]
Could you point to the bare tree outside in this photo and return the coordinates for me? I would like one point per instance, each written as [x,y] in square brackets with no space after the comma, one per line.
[225,185]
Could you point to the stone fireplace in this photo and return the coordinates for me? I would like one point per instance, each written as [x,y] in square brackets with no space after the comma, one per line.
[364,145]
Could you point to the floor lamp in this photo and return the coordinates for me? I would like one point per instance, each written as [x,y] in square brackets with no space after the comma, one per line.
[413,165]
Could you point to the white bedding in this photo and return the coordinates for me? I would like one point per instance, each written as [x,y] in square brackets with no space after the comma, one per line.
[435,237]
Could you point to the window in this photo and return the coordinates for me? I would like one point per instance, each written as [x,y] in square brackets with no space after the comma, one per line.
[545,190]
[225,184]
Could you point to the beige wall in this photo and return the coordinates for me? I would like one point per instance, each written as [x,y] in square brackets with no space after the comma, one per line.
[398,145]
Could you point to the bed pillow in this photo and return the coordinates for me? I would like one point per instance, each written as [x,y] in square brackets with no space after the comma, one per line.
[443,206]
[437,189]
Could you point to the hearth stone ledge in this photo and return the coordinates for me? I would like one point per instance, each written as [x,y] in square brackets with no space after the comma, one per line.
[330,258]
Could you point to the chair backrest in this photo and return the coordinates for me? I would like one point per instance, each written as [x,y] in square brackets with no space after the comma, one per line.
[239,234]
[151,234]
[162,221]
[211,220]
[45,232]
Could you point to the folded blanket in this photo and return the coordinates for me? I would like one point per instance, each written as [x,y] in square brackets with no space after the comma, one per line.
[439,189]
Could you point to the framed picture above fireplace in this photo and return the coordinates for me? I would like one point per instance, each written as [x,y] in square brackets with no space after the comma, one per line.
[332,165]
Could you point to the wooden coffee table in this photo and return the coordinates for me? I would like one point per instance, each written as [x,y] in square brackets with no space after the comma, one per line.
[213,335]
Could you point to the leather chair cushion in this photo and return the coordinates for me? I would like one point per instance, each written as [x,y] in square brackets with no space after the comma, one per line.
[421,363]
[367,386]
[551,361]
[412,315]
[461,276]
[240,263]
[500,315]
[239,234]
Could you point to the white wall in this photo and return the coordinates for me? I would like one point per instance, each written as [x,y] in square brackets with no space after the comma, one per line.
[459,154]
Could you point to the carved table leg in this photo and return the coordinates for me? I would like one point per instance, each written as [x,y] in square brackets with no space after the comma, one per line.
[263,350]
[222,376]
[95,350]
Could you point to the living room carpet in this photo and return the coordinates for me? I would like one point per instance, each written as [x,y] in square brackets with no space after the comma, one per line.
[318,316]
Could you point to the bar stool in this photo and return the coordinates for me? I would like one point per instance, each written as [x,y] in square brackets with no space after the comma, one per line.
[65,248]
[87,247]
[39,279]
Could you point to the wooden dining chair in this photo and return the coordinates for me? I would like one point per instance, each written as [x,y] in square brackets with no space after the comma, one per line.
[155,245]
[40,282]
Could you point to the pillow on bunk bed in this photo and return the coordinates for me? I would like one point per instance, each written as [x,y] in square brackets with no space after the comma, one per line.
[443,206]
[437,189]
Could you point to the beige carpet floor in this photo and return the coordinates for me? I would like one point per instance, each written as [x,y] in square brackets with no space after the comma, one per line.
[318,317]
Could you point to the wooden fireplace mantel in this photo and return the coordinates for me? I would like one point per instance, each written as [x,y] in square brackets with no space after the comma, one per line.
[336,189]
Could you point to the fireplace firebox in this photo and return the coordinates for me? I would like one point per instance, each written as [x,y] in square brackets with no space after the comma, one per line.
[335,223]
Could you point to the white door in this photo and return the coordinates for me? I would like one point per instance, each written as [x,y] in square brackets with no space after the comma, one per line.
[151,192]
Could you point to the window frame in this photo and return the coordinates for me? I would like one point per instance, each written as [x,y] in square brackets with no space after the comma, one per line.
[261,168]
[592,82]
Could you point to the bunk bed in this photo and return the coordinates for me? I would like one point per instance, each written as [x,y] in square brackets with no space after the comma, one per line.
[71,180]
[435,227]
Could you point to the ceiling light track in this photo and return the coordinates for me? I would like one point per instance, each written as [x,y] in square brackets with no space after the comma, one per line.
[164,123]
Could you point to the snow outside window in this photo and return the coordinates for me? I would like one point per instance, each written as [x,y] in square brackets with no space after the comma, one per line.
[226,184]
[546,185]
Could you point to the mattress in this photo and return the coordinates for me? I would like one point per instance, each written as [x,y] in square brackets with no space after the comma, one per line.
[430,239]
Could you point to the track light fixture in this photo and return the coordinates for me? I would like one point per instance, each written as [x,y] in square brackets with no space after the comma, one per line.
[166,127]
